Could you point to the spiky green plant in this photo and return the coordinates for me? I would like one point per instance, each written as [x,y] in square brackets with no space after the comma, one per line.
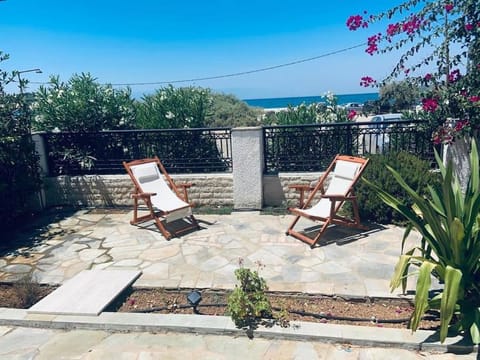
[449,222]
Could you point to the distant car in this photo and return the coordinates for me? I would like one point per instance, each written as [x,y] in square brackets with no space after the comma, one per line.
[376,139]
[384,119]
[353,106]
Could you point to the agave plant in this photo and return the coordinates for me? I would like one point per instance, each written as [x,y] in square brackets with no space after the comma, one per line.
[449,222]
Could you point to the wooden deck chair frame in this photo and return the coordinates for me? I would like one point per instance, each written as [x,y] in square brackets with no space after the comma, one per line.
[156,214]
[336,201]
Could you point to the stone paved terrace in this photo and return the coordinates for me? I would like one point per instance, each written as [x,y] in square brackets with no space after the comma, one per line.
[61,245]
[348,262]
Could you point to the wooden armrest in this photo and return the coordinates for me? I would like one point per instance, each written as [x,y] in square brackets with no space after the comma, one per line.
[184,187]
[302,188]
[337,197]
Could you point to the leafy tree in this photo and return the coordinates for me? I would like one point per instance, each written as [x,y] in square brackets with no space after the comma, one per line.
[398,96]
[19,168]
[228,110]
[175,108]
[444,38]
[82,105]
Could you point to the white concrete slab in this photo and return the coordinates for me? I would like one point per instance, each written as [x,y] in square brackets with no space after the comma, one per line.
[87,293]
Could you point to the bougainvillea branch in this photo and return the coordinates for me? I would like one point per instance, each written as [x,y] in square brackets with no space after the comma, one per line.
[439,44]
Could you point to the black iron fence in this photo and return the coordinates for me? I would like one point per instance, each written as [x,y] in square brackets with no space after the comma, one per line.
[181,150]
[286,148]
[312,147]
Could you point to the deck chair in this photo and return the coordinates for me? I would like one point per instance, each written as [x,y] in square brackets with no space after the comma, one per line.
[342,175]
[165,203]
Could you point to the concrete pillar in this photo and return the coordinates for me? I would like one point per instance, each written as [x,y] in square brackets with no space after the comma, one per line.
[247,156]
[40,149]
[459,154]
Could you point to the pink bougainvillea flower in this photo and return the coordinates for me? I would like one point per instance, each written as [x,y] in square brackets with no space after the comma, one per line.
[355,22]
[393,29]
[367,81]
[429,105]
[372,43]
[474,98]
[437,140]
[454,76]
[469,27]
[428,77]
[449,7]
[461,124]
[412,25]
[351,114]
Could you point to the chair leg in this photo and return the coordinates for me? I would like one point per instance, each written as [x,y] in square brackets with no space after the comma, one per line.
[194,221]
[356,215]
[319,235]
[292,225]
[162,229]
[135,211]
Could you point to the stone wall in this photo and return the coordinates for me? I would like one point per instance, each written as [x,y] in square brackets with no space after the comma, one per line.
[212,190]
[276,192]
[114,190]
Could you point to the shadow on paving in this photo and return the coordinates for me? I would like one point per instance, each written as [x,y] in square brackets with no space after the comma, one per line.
[32,231]
[341,235]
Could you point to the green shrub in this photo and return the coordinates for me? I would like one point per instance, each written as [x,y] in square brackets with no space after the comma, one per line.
[248,303]
[19,168]
[417,172]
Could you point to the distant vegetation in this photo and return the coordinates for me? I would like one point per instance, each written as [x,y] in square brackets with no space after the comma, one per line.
[82,104]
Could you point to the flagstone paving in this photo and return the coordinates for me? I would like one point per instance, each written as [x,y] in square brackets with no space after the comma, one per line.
[347,262]
[47,344]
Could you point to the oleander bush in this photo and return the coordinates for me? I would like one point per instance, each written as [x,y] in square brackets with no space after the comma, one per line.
[19,168]
[418,173]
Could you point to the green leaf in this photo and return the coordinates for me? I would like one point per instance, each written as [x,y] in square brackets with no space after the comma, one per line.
[450,296]
[400,272]
[457,234]
[421,293]
[475,328]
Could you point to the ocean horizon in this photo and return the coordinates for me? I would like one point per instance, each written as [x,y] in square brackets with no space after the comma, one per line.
[283,102]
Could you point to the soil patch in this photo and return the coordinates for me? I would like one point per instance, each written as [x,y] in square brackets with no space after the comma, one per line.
[22,295]
[392,313]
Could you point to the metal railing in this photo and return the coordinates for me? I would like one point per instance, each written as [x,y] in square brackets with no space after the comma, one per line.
[312,147]
[180,150]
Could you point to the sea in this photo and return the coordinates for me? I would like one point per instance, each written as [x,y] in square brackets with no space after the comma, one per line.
[274,103]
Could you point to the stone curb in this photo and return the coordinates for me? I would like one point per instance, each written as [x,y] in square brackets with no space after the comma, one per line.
[421,340]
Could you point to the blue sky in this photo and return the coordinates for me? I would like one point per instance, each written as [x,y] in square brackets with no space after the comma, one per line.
[161,41]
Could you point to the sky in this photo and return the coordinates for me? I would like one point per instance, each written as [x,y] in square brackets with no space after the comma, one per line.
[161,42]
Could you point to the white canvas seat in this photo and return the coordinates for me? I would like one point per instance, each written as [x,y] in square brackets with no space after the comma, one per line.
[341,175]
[164,201]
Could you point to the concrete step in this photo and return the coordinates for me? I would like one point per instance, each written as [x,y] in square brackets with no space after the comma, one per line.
[87,293]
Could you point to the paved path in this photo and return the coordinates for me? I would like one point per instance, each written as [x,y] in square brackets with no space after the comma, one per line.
[26,343]
[348,263]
